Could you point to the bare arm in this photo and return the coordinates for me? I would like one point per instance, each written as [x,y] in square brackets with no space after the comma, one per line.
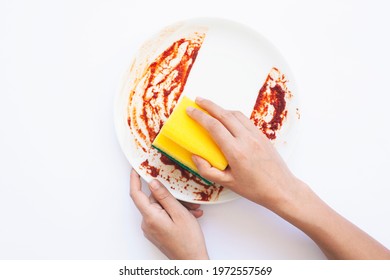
[336,236]
[257,172]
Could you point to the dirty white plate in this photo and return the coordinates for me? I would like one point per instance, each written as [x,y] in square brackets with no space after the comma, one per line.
[230,68]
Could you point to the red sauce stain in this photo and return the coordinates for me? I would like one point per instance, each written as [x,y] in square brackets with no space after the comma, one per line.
[204,195]
[185,175]
[150,169]
[209,193]
[269,111]
[166,160]
[160,88]
[164,83]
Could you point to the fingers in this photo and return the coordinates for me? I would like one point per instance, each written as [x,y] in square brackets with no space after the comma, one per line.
[226,117]
[245,121]
[211,173]
[197,213]
[189,205]
[166,199]
[218,132]
[193,209]
[140,199]
[159,197]
[223,125]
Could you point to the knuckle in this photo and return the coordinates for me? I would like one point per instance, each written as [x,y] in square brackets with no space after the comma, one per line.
[199,114]
[238,114]
[254,143]
[238,154]
[212,124]
[148,223]
[227,180]
[161,194]
[201,117]
[225,115]
[204,171]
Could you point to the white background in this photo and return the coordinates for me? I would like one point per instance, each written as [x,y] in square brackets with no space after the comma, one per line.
[64,180]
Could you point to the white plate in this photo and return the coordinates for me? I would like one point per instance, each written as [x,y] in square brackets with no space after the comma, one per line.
[230,68]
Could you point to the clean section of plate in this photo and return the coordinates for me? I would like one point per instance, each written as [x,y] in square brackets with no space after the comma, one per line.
[231,67]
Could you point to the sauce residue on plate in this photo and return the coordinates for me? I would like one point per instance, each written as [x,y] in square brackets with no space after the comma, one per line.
[189,182]
[152,100]
[270,111]
[155,94]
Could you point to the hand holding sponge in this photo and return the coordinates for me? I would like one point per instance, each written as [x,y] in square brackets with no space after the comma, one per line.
[181,137]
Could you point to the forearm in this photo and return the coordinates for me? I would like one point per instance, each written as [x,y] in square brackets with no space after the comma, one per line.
[337,237]
[256,171]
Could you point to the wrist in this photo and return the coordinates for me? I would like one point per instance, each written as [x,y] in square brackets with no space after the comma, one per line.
[293,203]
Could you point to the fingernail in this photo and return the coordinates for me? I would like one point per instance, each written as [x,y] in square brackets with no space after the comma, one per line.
[154,185]
[195,159]
[190,109]
[198,99]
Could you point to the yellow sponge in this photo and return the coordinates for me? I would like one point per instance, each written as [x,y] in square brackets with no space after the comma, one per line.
[181,137]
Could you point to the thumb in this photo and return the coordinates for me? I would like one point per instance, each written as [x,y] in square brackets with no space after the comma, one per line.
[209,172]
[165,199]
